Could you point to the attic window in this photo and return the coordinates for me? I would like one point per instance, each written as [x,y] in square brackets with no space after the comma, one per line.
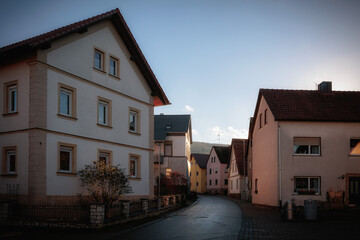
[168,126]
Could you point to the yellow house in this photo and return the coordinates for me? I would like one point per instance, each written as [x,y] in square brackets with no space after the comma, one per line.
[198,172]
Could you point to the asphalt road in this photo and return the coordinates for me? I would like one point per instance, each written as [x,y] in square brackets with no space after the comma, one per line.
[211,217]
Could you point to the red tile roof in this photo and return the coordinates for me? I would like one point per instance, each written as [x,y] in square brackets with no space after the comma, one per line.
[239,146]
[307,105]
[27,48]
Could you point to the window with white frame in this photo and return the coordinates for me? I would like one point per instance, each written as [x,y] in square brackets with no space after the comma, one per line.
[307,145]
[133,121]
[114,67]
[11,97]
[355,146]
[104,156]
[67,100]
[307,185]
[66,159]
[98,60]
[134,166]
[104,111]
[9,160]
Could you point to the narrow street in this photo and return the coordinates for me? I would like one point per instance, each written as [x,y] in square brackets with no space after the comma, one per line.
[211,217]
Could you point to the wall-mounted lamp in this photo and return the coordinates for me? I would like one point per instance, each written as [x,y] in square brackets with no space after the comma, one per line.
[341,177]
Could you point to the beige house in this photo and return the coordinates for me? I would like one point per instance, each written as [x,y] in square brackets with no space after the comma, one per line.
[198,172]
[172,148]
[305,143]
[238,181]
[80,93]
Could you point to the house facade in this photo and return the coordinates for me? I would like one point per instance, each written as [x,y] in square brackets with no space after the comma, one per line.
[306,144]
[74,95]
[198,172]
[217,170]
[238,181]
[172,148]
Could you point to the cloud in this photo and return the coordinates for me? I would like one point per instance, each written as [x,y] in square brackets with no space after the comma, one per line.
[188,108]
[225,135]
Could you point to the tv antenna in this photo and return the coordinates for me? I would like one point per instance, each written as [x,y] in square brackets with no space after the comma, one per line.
[220,132]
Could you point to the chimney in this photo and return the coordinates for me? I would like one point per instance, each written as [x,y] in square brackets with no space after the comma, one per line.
[325,87]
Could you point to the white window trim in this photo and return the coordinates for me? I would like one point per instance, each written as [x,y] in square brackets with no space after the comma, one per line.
[69,94]
[71,151]
[308,178]
[9,153]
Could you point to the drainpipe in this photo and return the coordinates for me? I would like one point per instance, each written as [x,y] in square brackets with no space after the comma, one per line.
[244,189]
[279,166]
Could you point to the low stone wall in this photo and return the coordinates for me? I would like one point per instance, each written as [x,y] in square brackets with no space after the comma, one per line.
[97,214]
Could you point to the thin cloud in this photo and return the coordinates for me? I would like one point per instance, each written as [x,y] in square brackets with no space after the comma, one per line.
[188,108]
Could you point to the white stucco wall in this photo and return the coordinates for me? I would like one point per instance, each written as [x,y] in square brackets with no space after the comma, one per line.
[333,162]
[87,151]
[264,162]
[21,141]
[19,72]
[75,55]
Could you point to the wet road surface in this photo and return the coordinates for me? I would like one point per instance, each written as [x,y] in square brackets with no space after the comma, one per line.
[212,217]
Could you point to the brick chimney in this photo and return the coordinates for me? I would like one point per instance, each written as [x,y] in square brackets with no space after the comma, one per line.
[325,87]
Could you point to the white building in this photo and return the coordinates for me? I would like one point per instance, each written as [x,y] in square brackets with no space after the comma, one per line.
[73,95]
[172,147]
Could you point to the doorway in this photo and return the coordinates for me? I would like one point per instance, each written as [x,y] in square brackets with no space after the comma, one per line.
[354,190]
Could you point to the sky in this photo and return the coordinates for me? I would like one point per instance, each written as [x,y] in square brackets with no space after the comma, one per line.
[211,57]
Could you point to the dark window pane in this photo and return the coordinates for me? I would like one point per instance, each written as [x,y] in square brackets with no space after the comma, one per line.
[301,149]
[65,160]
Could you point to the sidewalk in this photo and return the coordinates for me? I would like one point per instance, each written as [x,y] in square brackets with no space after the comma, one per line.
[263,223]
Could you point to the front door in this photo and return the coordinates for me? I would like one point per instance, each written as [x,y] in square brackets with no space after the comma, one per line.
[354,190]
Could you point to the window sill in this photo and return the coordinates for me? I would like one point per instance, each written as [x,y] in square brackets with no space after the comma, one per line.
[115,77]
[134,178]
[9,175]
[10,114]
[104,126]
[134,133]
[71,174]
[67,117]
[315,194]
[307,155]
[99,70]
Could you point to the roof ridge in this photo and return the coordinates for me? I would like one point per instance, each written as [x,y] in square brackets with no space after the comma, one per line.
[307,90]
[84,22]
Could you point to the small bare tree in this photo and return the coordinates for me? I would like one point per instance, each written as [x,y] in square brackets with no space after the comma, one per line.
[104,183]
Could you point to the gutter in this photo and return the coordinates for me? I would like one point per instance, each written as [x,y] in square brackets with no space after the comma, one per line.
[279,166]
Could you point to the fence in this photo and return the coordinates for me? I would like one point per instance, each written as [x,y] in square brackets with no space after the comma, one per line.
[41,211]
[85,215]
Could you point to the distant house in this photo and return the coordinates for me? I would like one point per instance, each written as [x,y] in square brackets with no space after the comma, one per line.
[305,144]
[238,182]
[217,170]
[173,139]
[79,93]
[198,172]
[248,159]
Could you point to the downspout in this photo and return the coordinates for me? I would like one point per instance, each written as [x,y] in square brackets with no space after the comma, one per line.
[279,166]
[244,170]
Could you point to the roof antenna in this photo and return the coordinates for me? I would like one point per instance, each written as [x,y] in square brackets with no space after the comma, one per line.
[219,135]
[316,85]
